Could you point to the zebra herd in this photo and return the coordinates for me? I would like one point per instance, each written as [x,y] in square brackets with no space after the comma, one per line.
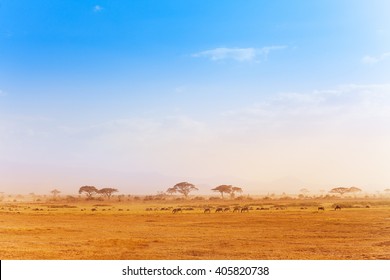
[217,210]
[236,209]
[337,207]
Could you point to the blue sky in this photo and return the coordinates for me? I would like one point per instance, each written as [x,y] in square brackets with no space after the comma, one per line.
[140,94]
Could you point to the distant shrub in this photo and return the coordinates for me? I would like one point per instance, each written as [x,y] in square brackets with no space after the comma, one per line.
[70,198]
[214,198]
[61,206]
[198,198]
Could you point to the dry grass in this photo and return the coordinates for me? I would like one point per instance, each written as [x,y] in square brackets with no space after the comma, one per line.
[66,232]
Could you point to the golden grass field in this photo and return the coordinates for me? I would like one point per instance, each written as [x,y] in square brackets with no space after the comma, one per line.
[118,230]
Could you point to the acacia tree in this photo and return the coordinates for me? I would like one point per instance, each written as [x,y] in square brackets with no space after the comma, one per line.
[88,190]
[304,191]
[107,192]
[354,190]
[234,191]
[171,191]
[223,189]
[184,188]
[340,190]
[343,190]
[55,192]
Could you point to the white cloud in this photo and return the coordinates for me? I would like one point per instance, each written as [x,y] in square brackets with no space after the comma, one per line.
[368,59]
[97,8]
[347,105]
[238,54]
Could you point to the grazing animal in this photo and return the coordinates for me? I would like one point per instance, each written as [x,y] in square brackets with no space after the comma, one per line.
[207,210]
[176,210]
[227,209]
[236,209]
[337,207]
[245,209]
[219,209]
[321,208]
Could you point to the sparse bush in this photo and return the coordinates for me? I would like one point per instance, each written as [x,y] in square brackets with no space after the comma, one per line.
[70,198]
[214,198]
[61,206]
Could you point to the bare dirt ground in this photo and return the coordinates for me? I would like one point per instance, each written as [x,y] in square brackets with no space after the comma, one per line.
[128,231]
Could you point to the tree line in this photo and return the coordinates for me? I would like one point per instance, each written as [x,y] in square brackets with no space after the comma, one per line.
[183,188]
[91,190]
[186,188]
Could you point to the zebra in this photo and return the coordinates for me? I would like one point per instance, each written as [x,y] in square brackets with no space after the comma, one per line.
[321,208]
[244,209]
[219,209]
[338,207]
[176,210]
[207,210]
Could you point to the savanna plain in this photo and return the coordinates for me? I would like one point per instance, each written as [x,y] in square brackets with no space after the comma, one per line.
[270,230]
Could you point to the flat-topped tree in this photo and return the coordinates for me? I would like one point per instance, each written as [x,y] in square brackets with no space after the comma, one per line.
[223,189]
[107,192]
[55,192]
[304,191]
[340,190]
[343,190]
[184,188]
[234,191]
[171,191]
[354,190]
[88,190]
